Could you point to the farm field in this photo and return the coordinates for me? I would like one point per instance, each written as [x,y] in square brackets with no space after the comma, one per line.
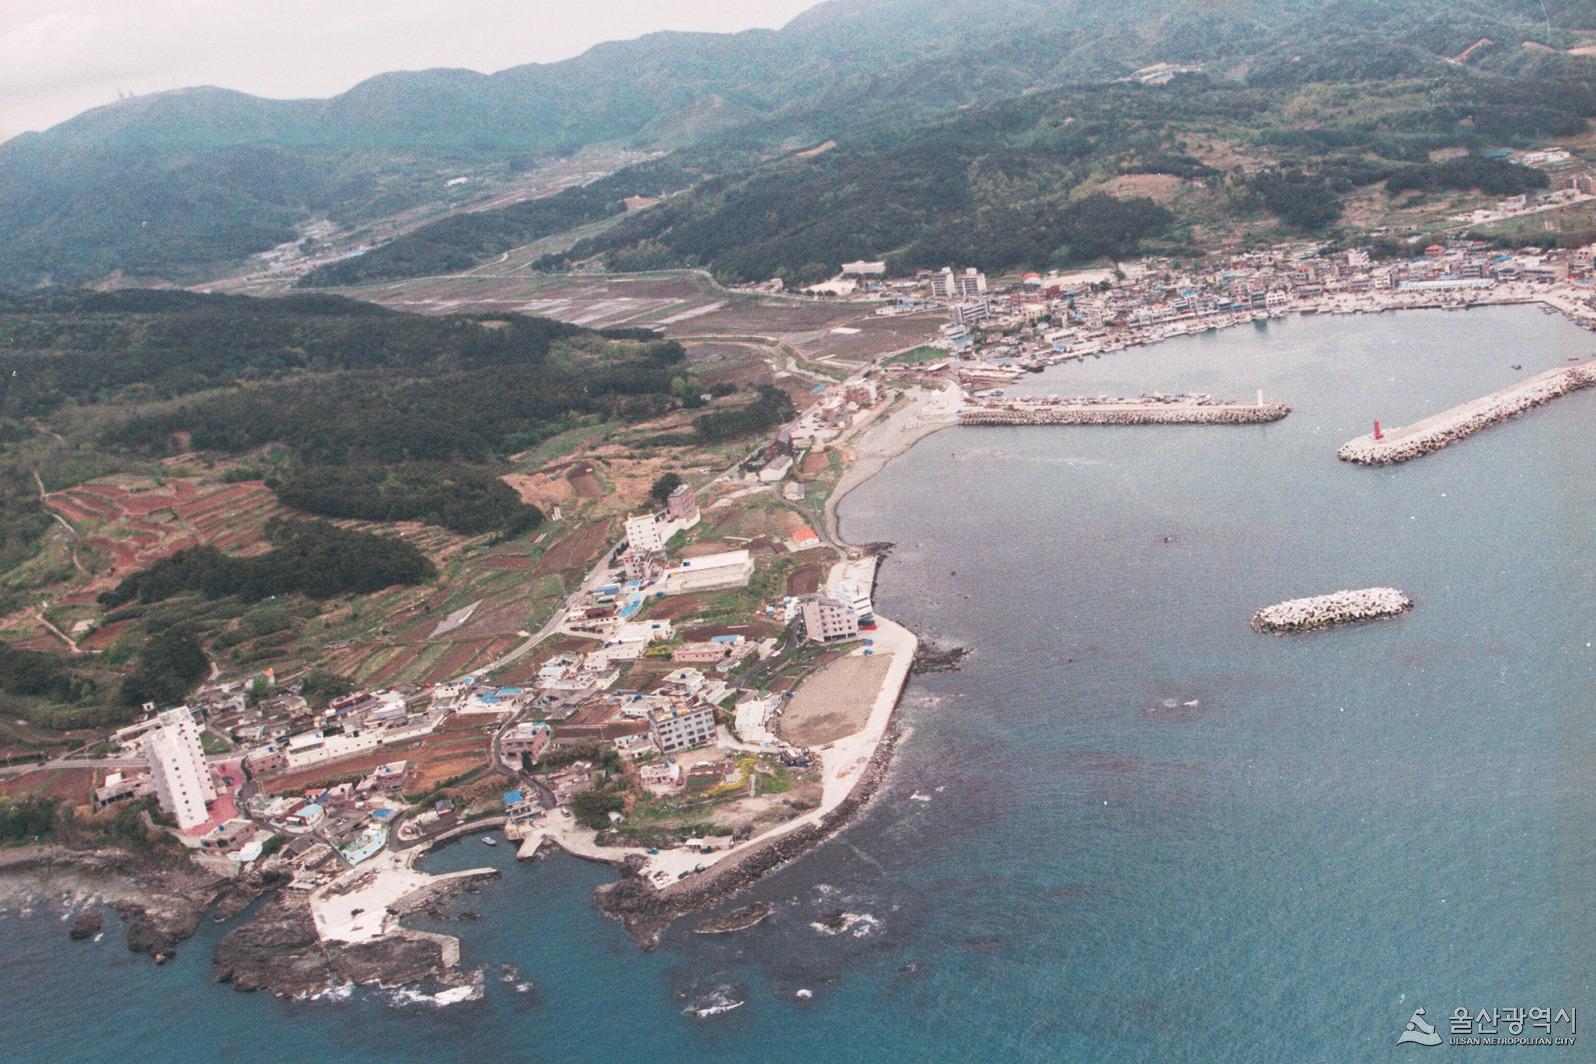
[683,304]
[459,746]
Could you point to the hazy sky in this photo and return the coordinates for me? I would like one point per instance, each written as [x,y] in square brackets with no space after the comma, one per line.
[59,57]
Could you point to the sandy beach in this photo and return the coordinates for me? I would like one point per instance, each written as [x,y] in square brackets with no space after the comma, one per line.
[916,415]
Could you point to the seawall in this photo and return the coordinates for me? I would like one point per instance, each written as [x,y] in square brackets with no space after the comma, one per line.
[1446,428]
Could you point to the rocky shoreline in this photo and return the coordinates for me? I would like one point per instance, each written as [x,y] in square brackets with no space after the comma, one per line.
[161,904]
[278,950]
[736,920]
[646,911]
[930,658]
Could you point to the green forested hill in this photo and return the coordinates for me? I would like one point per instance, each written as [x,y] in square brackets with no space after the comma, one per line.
[348,410]
[1028,181]
[174,183]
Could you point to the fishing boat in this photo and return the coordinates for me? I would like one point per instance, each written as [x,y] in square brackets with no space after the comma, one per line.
[489,840]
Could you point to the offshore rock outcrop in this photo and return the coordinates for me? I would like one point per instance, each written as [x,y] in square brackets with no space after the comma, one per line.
[1324,611]
[1460,422]
[739,919]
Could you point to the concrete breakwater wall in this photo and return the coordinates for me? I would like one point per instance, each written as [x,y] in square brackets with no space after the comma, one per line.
[1150,414]
[1449,426]
[1323,611]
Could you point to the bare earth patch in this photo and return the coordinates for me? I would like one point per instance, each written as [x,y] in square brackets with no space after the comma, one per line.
[836,701]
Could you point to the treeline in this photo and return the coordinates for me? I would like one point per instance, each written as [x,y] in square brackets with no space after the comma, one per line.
[37,674]
[39,818]
[462,240]
[462,499]
[169,666]
[1493,177]
[470,416]
[61,691]
[991,188]
[1090,228]
[93,347]
[1311,200]
[313,558]
[26,819]
[335,380]
[769,409]
[23,520]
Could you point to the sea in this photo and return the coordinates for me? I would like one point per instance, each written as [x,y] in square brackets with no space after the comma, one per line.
[1127,828]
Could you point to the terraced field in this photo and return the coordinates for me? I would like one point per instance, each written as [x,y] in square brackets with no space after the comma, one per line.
[134,522]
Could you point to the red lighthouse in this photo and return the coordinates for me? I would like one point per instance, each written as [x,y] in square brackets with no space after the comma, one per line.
[1377,433]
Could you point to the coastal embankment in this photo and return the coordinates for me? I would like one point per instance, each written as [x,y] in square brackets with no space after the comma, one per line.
[1145,411]
[1324,611]
[852,767]
[645,911]
[1464,420]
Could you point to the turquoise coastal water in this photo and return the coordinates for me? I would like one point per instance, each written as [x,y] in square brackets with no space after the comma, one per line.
[1129,828]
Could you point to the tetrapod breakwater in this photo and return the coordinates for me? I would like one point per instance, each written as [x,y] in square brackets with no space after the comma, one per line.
[1446,428]
[1324,611]
[1149,410]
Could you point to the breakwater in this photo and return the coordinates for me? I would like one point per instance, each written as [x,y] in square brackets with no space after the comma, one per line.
[1153,412]
[1459,422]
[1324,611]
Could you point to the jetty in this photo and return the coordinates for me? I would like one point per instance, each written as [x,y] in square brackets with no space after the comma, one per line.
[1324,611]
[1155,409]
[1446,428]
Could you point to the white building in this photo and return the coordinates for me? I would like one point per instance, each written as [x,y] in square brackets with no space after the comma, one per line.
[752,719]
[643,534]
[865,268]
[827,620]
[776,469]
[858,601]
[969,312]
[643,631]
[711,572]
[682,728]
[177,768]
[971,284]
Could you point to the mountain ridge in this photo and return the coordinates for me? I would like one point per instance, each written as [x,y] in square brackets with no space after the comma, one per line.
[175,184]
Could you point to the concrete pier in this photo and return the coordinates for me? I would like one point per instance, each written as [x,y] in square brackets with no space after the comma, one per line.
[1323,611]
[1146,410]
[1449,426]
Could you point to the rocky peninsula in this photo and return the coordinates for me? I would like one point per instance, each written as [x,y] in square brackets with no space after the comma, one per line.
[280,950]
